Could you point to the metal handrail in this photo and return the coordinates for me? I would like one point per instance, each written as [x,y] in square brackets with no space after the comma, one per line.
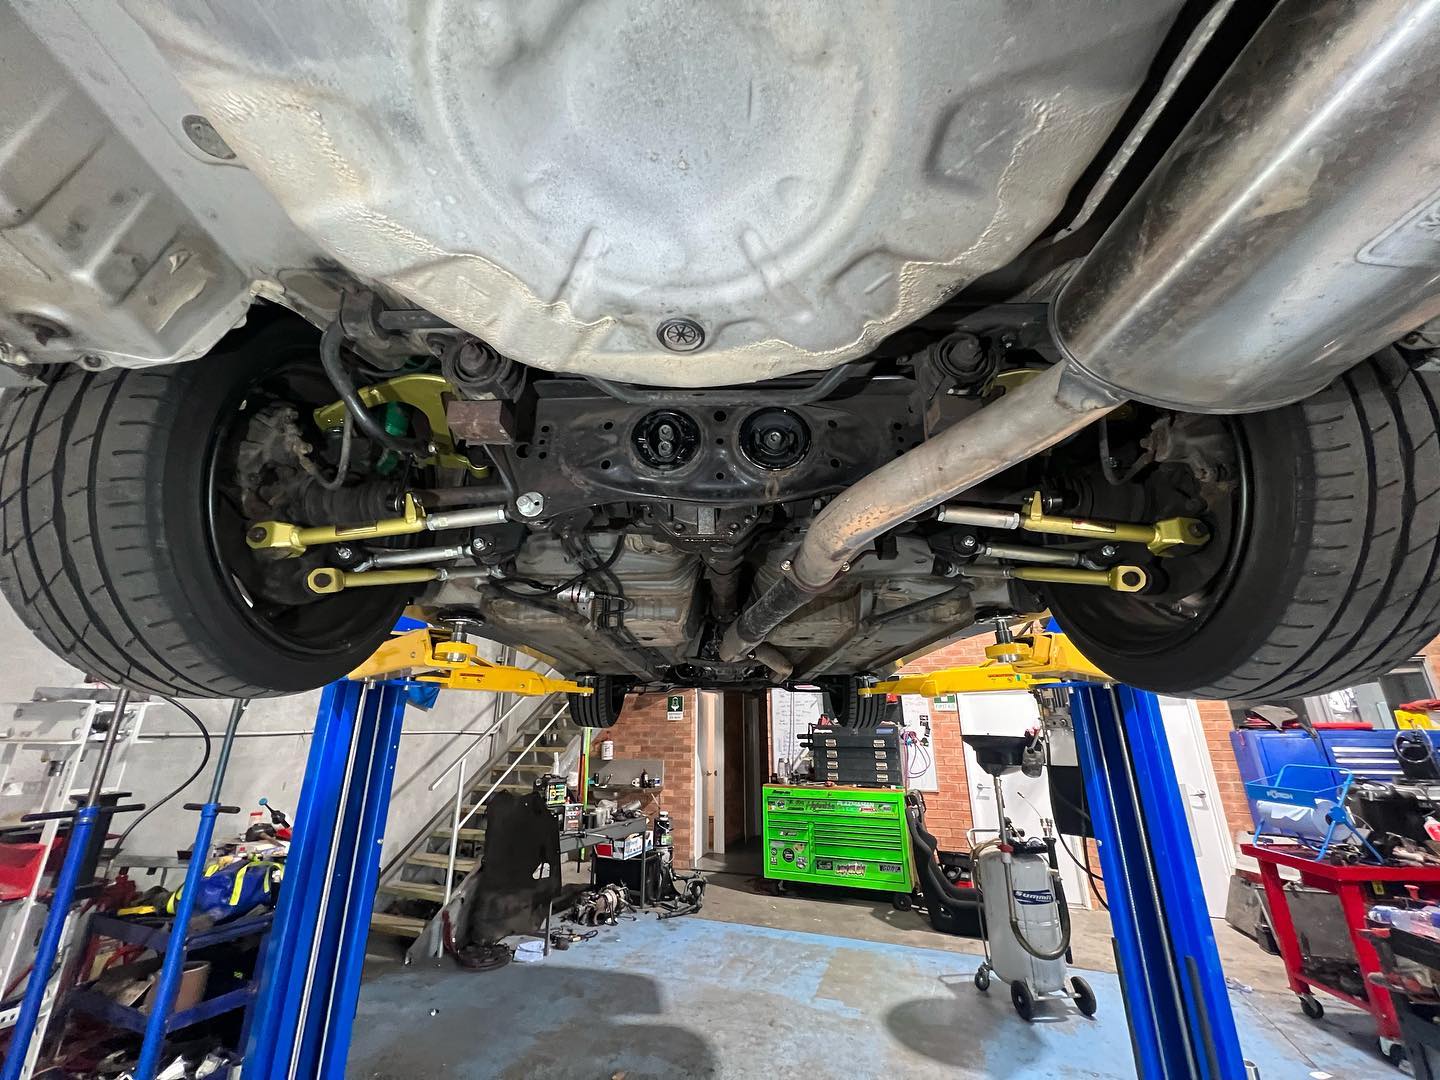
[499,723]
[491,729]
[460,822]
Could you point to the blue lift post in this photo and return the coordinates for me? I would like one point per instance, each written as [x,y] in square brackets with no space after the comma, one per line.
[168,984]
[1181,1025]
[310,977]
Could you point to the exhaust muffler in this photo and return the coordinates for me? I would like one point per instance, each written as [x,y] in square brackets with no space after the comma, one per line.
[1291,231]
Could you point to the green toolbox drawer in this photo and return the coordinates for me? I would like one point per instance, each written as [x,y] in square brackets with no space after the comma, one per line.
[854,837]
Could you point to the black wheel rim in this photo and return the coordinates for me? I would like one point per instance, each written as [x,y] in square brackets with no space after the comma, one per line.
[1140,628]
[317,629]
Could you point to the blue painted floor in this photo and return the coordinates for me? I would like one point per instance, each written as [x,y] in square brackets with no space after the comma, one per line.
[695,998]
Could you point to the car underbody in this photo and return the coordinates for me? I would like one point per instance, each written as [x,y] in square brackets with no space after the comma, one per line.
[734,346]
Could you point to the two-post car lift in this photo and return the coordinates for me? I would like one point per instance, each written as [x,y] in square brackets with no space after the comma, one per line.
[1181,1025]
[1180,1020]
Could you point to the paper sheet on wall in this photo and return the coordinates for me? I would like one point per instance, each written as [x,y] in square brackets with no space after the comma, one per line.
[790,715]
[917,715]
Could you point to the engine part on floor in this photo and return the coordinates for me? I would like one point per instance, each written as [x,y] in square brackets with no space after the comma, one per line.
[600,907]
[489,957]
[626,871]
[284,540]
[684,893]
[565,937]
[1164,537]
[839,836]
[873,758]
[1026,917]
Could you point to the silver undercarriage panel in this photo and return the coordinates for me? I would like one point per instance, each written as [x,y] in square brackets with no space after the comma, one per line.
[794,180]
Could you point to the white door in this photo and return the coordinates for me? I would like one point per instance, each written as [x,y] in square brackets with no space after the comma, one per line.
[709,775]
[1214,848]
[1027,800]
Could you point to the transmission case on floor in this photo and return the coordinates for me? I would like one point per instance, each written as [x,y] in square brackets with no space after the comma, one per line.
[851,836]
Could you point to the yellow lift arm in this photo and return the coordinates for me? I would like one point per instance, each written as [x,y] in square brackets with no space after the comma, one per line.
[454,665]
[1039,659]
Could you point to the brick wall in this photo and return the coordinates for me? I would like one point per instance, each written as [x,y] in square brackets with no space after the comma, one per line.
[947,811]
[1215,722]
[644,732]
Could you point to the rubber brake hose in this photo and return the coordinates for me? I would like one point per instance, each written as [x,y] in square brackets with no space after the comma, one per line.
[330,342]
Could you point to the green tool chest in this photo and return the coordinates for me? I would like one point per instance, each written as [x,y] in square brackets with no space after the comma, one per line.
[838,836]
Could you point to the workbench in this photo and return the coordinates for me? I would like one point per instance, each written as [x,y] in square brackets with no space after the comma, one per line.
[1352,886]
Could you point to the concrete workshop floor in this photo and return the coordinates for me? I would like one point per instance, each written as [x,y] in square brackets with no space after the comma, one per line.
[799,987]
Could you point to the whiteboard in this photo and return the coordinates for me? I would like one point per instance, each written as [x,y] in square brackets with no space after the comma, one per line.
[919,720]
[791,714]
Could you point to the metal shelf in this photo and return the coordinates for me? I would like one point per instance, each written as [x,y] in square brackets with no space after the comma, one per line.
[112,1012]
[158,938]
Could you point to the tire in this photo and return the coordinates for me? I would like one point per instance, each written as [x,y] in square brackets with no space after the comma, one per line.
[902,901]
[982,980]
[1332,572]
[1311,1007]
[602,708]
[847,706]
[108,556]
[1084,996]
[1023,1001]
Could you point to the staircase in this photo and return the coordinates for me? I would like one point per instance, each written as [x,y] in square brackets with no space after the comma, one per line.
[412,885]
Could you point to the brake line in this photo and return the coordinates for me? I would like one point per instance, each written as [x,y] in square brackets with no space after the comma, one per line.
[330,344]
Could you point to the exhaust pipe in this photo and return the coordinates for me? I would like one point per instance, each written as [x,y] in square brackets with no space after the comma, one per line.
[1291,231]
[1051,406]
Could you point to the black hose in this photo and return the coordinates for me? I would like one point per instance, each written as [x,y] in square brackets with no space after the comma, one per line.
[330,343]
[204,760]
[1062,910]
[930,866]
[402,319]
